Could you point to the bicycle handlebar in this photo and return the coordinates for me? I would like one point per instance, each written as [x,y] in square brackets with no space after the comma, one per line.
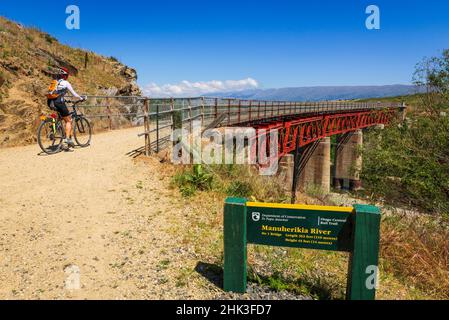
[74,103]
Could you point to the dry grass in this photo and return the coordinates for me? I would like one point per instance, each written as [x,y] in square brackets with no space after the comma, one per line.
[414,260]
[417,250]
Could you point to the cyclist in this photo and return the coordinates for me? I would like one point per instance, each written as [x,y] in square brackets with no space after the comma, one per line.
[56,101]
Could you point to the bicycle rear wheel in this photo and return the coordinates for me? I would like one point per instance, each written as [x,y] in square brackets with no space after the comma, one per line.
[82,132]
[50,136]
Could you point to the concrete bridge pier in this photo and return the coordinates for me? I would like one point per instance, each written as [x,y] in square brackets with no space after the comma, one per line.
[403,112]
[310,166]
[348,162]
[317,171]
[286,171]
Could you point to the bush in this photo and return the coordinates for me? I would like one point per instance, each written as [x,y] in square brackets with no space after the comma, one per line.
[239,189]
[198,179]
[410,164]
[49,38]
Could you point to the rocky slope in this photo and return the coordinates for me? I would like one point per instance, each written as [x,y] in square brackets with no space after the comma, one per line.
[28,58]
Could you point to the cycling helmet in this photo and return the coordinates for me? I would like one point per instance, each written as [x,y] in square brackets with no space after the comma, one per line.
[63,73]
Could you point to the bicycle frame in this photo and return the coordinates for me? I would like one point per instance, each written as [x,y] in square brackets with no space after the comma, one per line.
[53,127]
[56,117]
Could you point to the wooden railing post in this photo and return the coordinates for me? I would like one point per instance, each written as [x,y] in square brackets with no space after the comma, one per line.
[146,124]
[216,109]
[240,111]
[109,113]
[229,111]
[202,113]
[157,128]
[190,116]
[172,109]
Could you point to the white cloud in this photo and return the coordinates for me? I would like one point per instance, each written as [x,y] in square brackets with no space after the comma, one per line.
[193,89]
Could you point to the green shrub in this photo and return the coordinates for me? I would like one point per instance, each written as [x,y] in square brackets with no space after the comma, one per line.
[198,179]
[410,164]
[49,38]
[187,190]
[239,189]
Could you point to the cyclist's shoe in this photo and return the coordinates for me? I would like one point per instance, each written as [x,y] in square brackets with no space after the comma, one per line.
[70,143]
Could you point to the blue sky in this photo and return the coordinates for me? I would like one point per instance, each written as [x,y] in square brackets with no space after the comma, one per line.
[277,43]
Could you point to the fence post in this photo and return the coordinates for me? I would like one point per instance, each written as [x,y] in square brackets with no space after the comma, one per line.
[240,111]
[146,125]
[235,257]
[202,113]
[172,109]
[250,109]
[364,259]
[216,108]
[189,102]
[157,128]
[108,111]
[229,111]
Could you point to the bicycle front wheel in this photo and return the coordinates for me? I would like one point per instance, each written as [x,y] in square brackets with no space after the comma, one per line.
[82,132]
[50,136]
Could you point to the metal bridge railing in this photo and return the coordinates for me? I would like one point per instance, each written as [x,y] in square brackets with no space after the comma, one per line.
[160,117]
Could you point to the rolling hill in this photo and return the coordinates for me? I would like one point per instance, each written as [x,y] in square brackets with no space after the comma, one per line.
[322,93]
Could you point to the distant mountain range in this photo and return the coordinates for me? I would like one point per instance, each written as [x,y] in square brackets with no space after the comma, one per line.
[322,93]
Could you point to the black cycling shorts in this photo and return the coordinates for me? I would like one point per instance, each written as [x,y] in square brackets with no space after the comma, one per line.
[59,106]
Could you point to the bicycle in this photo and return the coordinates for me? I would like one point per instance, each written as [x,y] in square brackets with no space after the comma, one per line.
[51,132]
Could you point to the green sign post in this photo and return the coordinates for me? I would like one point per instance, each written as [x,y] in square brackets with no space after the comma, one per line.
[354,230]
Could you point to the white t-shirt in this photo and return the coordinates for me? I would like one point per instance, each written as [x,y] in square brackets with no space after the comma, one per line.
[64,86]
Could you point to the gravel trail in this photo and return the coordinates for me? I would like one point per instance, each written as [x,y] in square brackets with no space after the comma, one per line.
[96,224]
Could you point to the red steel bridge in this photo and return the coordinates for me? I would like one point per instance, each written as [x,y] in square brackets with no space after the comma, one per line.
[300,126]
[297,123]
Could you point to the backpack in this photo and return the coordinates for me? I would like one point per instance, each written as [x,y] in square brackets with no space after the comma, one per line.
[52,90]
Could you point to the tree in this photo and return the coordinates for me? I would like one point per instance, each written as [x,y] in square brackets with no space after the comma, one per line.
[409,162]
[433,75]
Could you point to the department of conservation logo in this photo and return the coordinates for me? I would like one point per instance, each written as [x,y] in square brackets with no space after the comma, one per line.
[256,216]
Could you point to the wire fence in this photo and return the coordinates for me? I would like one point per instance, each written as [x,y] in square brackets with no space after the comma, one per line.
[160,117]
